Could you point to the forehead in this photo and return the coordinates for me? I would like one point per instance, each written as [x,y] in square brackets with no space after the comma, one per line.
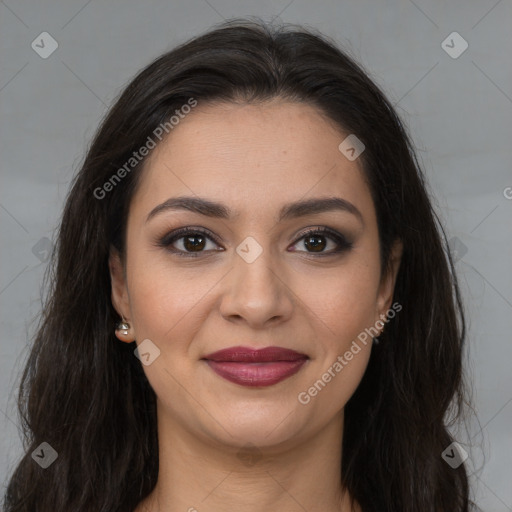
[252,156]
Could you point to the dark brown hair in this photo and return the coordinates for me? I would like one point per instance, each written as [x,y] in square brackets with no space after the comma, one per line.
[85,393]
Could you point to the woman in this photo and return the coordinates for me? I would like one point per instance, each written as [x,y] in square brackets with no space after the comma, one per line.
[251,305]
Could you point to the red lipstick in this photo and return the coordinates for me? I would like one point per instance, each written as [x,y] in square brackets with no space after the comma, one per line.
[250,367]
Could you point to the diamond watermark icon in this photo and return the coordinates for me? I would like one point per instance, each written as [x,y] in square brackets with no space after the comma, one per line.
[42,249]
[457,249]
[45,455]
[147,352]
[454,455]
[249,249]
[44,45]
[454,45]
[351,147]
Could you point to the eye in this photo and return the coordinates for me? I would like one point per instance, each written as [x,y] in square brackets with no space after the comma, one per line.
[190,242]
[193,242]
[315,242]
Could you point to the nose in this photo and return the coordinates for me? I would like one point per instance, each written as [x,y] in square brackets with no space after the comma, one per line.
[257,293]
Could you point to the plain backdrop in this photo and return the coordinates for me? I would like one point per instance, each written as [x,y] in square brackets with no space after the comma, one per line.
[456,102]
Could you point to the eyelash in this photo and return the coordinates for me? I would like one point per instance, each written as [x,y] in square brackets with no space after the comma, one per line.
[166,242]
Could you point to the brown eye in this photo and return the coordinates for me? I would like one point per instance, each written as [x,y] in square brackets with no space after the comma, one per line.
[194,242]
[316,241]
[189,242]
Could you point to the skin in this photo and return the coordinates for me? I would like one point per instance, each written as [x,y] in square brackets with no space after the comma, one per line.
[253,159]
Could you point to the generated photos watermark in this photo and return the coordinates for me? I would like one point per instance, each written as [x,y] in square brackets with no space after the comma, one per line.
[304,397]
[144,150]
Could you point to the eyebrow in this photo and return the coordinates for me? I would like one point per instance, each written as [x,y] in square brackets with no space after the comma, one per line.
[288,211]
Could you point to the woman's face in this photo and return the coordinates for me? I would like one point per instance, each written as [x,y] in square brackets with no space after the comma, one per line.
[253,277]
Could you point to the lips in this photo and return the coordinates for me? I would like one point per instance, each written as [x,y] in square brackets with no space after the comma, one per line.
[250,367]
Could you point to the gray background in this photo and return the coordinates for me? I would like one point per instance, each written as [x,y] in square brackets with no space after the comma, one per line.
[459,112]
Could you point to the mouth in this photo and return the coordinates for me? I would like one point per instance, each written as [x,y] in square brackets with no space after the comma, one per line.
[256,368]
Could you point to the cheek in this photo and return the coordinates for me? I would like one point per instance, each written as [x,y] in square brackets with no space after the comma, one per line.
[344,375]
[349,310]
[342,354]
[165,308]
[164,299]
[327,392]
[345,299]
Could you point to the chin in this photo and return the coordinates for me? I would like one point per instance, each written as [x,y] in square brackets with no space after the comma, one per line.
[263,425]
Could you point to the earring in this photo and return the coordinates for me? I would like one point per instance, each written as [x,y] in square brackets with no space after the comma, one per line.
[123,327]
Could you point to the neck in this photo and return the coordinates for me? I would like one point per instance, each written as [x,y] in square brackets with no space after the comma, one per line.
[198,474]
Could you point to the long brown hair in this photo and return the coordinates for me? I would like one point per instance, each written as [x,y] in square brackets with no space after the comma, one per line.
[85,393]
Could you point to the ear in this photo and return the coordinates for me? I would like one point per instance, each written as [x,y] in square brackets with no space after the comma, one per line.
[388,279]
[120,297]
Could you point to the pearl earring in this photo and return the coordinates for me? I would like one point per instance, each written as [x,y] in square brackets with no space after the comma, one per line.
[123,327]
